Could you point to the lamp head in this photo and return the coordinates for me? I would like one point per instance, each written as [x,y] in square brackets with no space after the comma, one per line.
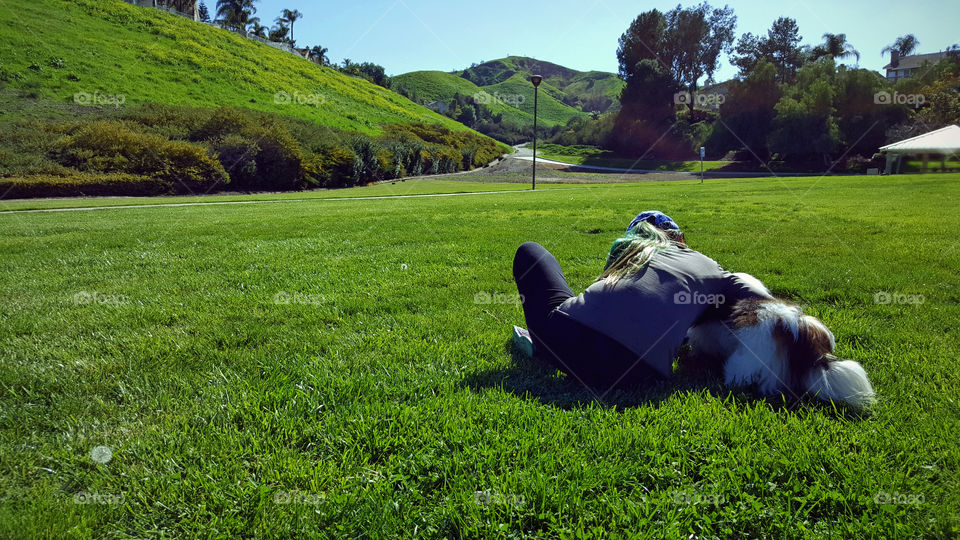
[536,80]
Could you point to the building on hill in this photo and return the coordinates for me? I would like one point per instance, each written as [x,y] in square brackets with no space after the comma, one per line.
[438,106]
[187,8]
[901,67]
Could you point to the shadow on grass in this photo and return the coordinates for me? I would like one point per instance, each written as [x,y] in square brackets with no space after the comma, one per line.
[529,378]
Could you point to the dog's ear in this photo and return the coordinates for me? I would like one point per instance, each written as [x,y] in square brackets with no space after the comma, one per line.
[806,340]
[840,380]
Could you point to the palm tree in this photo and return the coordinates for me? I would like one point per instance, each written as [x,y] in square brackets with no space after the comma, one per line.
[904,45]
[290,16]
[279,32]
[320,53]
[835,46]
[236,13]
[257,29]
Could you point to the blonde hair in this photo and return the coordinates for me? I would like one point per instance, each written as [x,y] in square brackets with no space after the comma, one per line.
[632,252]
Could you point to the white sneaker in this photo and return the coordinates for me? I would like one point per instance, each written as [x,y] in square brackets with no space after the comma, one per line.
[521,338]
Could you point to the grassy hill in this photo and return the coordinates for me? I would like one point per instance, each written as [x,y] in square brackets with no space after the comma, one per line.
[587,90]
[101,97]
[56,49]
[564,94]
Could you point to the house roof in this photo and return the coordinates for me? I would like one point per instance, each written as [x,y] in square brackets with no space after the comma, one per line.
[717,88]
[942,141]
[916,60]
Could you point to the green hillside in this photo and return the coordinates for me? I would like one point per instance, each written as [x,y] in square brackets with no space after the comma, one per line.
[587,90]
[431,86]
[99,97]
[505,91]
[56,49]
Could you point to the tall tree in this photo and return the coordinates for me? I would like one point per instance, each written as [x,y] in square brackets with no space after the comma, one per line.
[236,13]
[695,37]
[835,46]
[679,47]
[747,114]
[203,11]
[904,45]
[646,99]
[255,28]
[290,16]
[781,48]
[320,53]
[280,31]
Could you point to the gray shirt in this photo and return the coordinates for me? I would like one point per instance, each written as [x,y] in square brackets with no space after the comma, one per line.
[649,312]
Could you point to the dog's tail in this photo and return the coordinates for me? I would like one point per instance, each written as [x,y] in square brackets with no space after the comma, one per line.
[841,380]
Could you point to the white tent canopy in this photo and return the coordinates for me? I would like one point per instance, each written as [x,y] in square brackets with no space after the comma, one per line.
[944,142]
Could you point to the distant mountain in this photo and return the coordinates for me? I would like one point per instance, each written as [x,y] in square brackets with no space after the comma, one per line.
[503,86]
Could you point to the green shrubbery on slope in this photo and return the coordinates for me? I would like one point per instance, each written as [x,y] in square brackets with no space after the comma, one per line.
[157,149]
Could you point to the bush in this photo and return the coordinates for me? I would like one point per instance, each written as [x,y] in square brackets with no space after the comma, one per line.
[332,167]
[111,147]
[84,184]
[224,121]
[194,150]
[366,166]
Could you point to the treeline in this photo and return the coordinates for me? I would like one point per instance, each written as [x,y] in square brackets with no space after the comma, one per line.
[158,149]
[789,102]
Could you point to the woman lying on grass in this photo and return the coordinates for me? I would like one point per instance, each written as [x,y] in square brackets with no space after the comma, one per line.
[626,328]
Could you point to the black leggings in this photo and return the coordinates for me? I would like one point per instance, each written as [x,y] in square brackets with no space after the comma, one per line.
[588,356]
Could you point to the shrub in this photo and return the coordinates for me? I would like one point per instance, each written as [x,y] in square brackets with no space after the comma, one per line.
[111,147]
[332,167]
[238,155]
[84,184]
[366,167]
[268,159]
[224,121]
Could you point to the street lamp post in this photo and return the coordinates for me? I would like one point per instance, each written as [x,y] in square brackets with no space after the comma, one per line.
[536,80]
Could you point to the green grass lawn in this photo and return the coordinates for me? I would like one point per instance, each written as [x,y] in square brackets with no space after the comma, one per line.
[589,155]
[396,188]
[640,165]
[324,368]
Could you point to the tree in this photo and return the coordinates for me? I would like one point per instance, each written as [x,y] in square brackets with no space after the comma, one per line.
[904,45]
[805,126]
[279,32]
[257,29]
[236,13]
[468,116]
[747,114]
[781,48]
[203,12]
[320,53]
[695,37]
[290,16]
[835,46]
[659,55]
[367,70]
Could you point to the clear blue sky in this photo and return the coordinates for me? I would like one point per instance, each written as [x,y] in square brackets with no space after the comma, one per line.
[410,35]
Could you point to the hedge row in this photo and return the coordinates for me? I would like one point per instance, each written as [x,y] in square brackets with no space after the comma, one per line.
[165,149]
[84,184]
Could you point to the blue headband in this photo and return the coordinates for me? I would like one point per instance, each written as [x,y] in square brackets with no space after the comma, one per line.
[656,218]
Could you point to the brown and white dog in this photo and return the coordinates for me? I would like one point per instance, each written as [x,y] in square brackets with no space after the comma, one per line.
[772,344]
